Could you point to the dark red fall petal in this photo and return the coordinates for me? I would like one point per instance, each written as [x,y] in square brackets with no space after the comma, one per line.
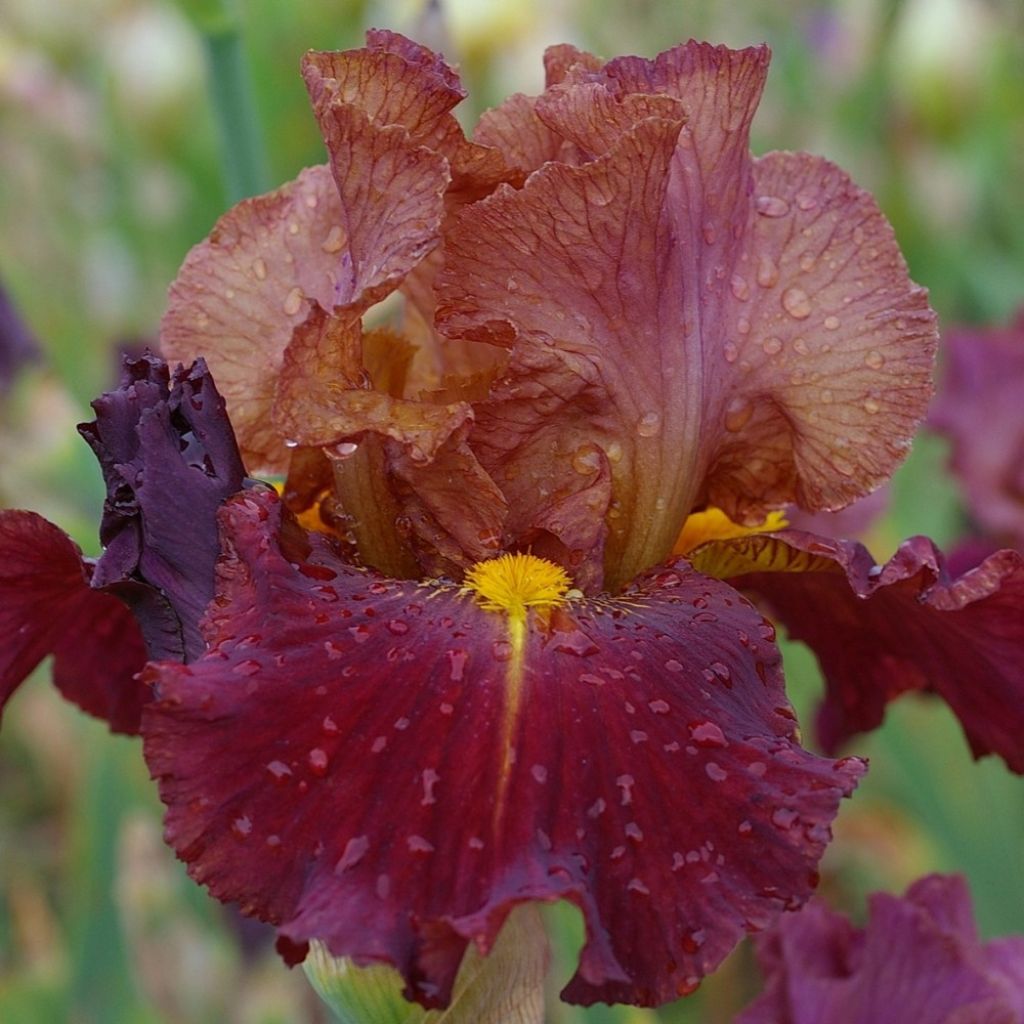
[47,607]
[169,459]
[979,409]
[359,760]
[918,959]
[879,631]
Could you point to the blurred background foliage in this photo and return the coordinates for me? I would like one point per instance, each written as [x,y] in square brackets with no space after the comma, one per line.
[115,118]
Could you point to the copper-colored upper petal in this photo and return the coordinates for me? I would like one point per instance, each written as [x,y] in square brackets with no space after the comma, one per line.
[725,330]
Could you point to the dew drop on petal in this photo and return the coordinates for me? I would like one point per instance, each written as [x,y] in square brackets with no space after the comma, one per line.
[767,272]
[317,759]
[293,302]
[707,734]
[586,460]
[740,288]
[335,240]
[831,323]
[241,827]
[730,351]
[738,413]
[353,853]
[874,359]
[346,449]
[771,346]
[259,268]
[796,303]
[772,206]
[871,406]
[715,772]
[649,424]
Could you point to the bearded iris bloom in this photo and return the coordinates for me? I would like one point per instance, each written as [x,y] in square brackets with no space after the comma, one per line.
[485,648]
[919,958]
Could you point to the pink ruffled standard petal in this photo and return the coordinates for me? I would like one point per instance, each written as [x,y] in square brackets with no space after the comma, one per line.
[390,766]
[725,330]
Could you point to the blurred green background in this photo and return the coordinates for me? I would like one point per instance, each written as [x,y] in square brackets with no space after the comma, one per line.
[111,166]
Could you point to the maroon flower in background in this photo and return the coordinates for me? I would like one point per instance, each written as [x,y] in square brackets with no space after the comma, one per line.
[918,959]
[979,409]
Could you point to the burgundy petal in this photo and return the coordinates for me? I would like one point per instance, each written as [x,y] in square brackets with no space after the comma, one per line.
[47,607]
[979,409]
[169,459]
[918,959]
[382,765]
[879,631]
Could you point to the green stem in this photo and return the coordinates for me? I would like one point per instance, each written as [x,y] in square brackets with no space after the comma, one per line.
[243,155]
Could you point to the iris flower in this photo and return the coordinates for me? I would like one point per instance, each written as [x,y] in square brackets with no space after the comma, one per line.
[536,398]
[919,958]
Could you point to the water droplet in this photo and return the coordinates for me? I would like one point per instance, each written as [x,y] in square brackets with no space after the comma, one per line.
[317,759]
[293,227]
[346,449]
[858,235]
[743,326]
[638,736]
[649,424]
[355,848]
[708,231]
[403,723]
[871,406]
[457,664]
[767,272]
[772,206]
[874,359]
[398,627]
[360,633]
[379,744]
[259,268]
[586,459]
[417,844]
[293,302]
[771,346]
[635,885]
[744,828]
[715,772]
[502,650]
[614,452]
[430,780]
[659,707]
[597,808]
[738,413]
[806,200]
[730,351]
[539,772]
[241,827]
[335,240]
[740,288]
[826,396]
[692,942]
[796,303]
[708,735]
[784,817]
[279,772]
[626,784]
[246,668]
[674,666]
[831,323]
